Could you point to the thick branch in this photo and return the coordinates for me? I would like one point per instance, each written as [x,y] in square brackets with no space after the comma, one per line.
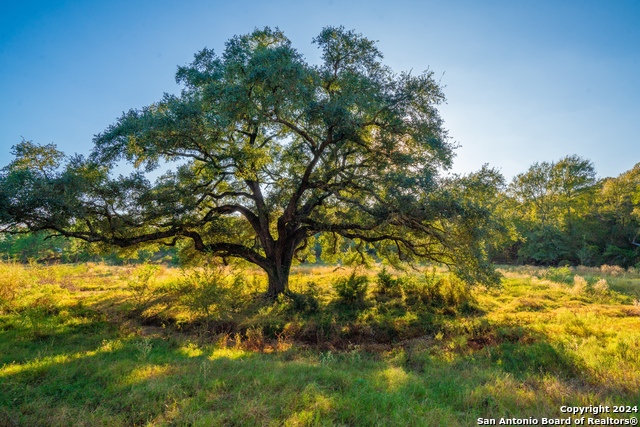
[262,218]
[227,249]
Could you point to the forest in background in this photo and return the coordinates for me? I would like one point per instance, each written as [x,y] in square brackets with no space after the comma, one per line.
[553,214]
[558,213]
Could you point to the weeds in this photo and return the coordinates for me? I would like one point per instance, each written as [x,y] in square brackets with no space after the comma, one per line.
[144,347]
[388,287]
[612,270]
[601,287]
[559,275]
[255,340]
[140,284]
[12,281]
[352,290]
[580,285]
[210,292]
[301,303]
[327,358]
[205,370]
[445,292]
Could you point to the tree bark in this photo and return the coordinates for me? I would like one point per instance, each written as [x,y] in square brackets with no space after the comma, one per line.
[278,281]
[278,271]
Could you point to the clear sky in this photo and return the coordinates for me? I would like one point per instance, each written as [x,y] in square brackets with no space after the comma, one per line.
[526,81]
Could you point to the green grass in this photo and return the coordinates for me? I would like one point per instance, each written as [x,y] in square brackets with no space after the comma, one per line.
[93,345]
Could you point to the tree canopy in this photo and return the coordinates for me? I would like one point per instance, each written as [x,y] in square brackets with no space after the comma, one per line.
[270,152]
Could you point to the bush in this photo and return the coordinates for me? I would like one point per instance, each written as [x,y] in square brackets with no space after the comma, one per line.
[140,284]
[294,303]
[388,286]
[306,302]
[13,279]
[443,292]
[453,291]
[352,290]
[559,275]
[210,291]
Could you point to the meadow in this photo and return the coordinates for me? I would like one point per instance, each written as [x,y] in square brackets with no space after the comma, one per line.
[148,345]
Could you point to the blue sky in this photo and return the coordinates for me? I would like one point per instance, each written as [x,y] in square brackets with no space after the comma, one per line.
[525,81]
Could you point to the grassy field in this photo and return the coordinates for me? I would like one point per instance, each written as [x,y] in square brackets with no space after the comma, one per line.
[96,345]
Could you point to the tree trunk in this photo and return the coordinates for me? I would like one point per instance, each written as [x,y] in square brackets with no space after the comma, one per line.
[278,280]
[278,284]
[280,264]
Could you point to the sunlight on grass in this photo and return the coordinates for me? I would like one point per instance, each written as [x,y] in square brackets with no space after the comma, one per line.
[391,379]
[42,363]
[190,350]
[228,353]
[146,373]
[316,406]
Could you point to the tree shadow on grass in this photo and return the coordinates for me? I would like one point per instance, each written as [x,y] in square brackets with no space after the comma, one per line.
[33,335]
[524,360]
[127,380]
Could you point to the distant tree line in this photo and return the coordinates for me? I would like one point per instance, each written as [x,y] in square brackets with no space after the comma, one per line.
[558,213]
[41,247]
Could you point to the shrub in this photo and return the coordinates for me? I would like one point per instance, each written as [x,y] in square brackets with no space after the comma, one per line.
[255,340]
[294,303]
[210,291]
[13,279]
[415,291]
[559,275]
[306,302]
[139,284]
[454,292]
[387,285]
[352,290]
[444,292]
[425,290]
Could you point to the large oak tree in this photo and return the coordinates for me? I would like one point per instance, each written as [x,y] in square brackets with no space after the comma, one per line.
[268,152]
